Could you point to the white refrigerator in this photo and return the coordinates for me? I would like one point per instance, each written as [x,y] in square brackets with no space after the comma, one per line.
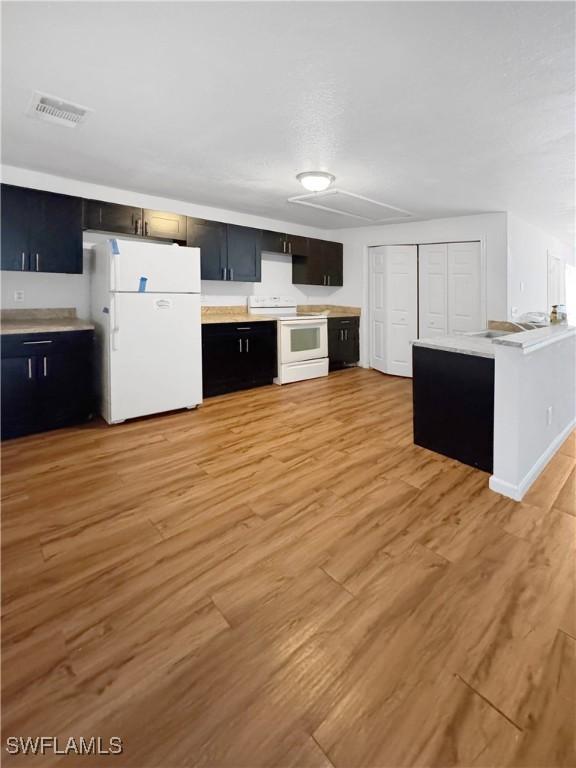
[146,308]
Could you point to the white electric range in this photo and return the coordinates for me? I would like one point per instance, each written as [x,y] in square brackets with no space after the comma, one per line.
[302,338]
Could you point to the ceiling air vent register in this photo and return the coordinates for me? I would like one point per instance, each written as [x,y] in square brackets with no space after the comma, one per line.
[349,204]
[55,110]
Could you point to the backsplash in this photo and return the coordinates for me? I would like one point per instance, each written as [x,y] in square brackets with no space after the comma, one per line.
[57,290]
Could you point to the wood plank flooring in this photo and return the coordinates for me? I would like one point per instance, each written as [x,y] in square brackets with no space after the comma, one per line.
[282,579]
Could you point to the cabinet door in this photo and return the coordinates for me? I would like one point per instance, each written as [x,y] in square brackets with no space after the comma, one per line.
[168,226]
[332,262]
[274,242]
[19,396]
[65,385]
[343,342]
[308,268]
[210,237]
[110,217]
[15,228]
[56,234]
[223,359]
[244,254]
[298,245]
[335,345]
[259,350]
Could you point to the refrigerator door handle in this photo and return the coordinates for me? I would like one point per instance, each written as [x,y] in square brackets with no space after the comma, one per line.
[114,275]
[115,325]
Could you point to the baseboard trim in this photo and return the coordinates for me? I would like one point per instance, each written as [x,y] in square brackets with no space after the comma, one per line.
[517,492]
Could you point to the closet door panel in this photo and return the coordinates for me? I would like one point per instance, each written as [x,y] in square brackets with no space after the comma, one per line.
[464,288]
[394,321]
[433,290]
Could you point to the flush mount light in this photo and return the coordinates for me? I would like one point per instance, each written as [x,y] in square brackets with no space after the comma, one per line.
[316,181]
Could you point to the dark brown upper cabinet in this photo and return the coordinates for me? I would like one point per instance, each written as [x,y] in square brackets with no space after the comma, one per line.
[41,231]
[210,237]
[244,254]
[130,220]
[111,217]
[321,265]
[297,245]
[227,251]
[274,242]
[162,225]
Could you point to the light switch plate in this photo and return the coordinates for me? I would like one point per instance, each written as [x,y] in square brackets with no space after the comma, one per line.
[19,296]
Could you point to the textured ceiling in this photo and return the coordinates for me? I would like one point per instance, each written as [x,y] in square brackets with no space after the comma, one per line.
[439,108]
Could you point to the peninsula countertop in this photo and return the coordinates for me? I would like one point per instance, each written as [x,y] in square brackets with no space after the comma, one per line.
[42,321]
[485,347]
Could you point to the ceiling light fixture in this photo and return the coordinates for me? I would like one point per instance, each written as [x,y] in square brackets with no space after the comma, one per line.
[316,181]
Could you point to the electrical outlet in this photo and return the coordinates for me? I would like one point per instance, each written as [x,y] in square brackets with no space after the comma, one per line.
[549,415]
[19,296]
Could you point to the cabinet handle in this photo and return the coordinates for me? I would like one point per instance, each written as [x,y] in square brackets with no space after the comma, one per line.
[146,229]
[231,274]
[283,246]
[290,247]
[346,333]
[323,279]
[240,344]
[244,328]
[37,262]
[29,367]
[247,345]
[45,366]
[46,341]
[23,261]
[328,278]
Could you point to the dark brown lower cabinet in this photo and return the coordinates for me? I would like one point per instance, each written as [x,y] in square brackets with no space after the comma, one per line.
[47,381]
[454,405]
[343,342]
[237,356]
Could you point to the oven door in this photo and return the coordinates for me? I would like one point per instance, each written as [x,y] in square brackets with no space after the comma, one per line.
[302,340]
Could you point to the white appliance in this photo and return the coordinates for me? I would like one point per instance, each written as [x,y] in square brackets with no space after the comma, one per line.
[146,309]
[302,338]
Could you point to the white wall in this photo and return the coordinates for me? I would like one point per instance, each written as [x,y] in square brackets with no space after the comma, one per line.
[489,229]
[528,249]
[526,435]
[46,290]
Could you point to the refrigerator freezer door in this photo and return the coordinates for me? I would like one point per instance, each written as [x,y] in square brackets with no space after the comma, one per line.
[155,354]
[137,266]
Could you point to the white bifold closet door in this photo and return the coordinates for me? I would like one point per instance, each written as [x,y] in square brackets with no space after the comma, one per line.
[433,289]
[450,288]
[394,284]
[464,288]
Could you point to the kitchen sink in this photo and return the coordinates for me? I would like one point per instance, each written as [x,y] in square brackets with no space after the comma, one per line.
[489,334]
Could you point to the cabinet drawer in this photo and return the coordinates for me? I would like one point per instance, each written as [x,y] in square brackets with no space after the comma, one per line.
[344,322]
[34,344]
[266,327]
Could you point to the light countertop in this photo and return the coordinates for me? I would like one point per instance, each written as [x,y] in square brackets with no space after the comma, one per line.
[42,321]
[527,339]
[482,347]
[238,314]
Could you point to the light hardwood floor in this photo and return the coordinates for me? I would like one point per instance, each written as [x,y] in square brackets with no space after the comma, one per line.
[282,579]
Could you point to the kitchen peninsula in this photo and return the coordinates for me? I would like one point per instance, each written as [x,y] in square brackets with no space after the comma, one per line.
[498,400]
